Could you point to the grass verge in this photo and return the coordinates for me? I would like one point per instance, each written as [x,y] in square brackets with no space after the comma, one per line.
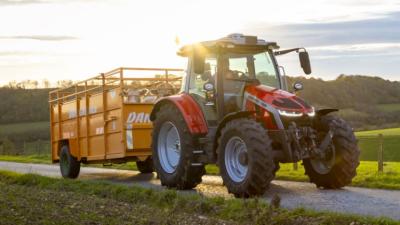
[34,199]
[367,175]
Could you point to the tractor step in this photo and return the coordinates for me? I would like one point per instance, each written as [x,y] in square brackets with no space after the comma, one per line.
[197,164]
[196,152]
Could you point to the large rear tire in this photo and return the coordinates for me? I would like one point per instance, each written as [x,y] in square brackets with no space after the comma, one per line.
[69,165]
[145,166]
[173,147]
[245,158]
[346,156]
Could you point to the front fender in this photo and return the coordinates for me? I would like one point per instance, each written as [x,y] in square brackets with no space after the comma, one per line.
[323,112]
[189,109]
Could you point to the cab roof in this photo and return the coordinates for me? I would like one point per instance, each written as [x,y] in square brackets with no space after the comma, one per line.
[237,43]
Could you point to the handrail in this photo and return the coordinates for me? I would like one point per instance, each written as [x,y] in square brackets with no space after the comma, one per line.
[106,76]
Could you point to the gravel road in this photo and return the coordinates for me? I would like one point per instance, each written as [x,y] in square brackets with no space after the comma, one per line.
[353,200]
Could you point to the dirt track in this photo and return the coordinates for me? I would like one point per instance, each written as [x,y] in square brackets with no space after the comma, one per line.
[354,200]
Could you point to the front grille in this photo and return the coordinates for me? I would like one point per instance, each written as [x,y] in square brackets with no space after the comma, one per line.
[301,101]
[304,121]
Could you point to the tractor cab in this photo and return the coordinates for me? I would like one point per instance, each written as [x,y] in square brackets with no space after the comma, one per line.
[219,72]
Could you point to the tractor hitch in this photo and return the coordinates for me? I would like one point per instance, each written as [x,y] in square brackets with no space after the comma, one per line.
[302,142]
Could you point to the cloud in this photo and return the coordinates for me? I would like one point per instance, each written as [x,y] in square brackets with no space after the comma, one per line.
[39,37]
[356,50]
[14,53]
[378,30]
[31,2]
[20,2]
[368,46]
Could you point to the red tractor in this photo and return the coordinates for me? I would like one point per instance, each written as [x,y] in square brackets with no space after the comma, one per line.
[234,111]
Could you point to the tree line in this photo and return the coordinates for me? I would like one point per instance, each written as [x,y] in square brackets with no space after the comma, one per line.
[359,96]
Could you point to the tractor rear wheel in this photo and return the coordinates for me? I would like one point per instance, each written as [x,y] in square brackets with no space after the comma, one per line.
[340,169]
[145,166]
[69,165]
[245,158]
[173,147]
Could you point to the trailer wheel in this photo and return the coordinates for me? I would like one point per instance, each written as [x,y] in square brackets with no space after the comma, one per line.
[245,158]
[145,166]
[341,169]
[173,150]
[69,165]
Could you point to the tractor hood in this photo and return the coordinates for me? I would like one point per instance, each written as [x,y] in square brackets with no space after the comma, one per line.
[285,102]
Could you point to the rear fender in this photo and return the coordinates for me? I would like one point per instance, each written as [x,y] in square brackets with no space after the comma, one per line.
[189,109]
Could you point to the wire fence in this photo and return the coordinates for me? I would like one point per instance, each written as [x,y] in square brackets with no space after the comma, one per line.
[38,147]
[377,148]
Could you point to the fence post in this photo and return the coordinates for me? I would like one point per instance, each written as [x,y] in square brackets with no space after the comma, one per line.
[295,166]
[380,153]
[38,146]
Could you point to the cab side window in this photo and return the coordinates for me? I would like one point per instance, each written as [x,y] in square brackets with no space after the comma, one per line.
[197,81]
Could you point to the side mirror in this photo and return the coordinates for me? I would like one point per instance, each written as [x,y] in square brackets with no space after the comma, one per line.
[208,86]
[198,63]
[298,86]
[305,62]
[209,91]
[206,75]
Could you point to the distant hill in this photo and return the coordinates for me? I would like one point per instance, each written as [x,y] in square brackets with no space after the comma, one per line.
[366,102]
[23,105]
[349,91]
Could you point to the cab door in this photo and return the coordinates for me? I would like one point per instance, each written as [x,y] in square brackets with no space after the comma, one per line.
[195,88]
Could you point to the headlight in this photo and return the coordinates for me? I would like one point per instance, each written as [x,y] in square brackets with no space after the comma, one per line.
[290,113]
[312,113]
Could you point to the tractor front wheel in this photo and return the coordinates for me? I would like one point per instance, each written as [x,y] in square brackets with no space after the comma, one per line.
[245,158]
[339,168]
[69,165]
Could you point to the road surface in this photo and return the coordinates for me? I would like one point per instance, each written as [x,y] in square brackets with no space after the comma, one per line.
[362,201]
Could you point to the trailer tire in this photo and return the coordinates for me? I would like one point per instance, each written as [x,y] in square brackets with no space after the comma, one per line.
[145,166]
[181,174]
[346,155]
[69,165]
[245,158]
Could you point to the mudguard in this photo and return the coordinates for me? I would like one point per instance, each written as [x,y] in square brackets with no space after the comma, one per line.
[190,110]
[323,112]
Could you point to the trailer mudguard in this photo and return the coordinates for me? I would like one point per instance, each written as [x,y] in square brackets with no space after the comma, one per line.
[190,110]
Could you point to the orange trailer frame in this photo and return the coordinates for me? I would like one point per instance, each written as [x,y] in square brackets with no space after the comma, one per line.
[95,119]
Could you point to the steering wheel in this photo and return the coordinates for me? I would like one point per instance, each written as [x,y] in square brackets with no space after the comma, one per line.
[237,75]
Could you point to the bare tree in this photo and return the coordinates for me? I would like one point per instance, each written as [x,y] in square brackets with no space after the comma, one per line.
[46,83]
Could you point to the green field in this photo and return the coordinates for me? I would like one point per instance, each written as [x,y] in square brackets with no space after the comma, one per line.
[34,199]
[385,132]
[369,144]
[389,107]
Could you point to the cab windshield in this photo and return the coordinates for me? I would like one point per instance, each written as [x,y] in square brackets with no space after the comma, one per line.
[253,66]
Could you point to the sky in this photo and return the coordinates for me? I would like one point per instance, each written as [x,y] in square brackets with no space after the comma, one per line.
[77,39]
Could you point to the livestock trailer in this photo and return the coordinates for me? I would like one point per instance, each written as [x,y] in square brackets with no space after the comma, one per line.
[105,119]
